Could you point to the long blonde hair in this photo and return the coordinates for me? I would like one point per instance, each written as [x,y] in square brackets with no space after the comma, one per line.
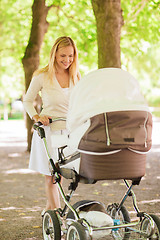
[50,68]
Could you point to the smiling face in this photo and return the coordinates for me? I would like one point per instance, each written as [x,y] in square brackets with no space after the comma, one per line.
[64,57]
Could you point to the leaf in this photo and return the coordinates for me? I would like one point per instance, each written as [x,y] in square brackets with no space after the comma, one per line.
[96,193]
[110,194]
[36,227]
[22,214]
[105,184]
[121,184]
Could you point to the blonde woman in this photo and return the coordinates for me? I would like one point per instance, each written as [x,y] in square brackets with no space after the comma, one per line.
[55,82]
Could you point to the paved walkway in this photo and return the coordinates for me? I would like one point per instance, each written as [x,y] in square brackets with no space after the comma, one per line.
[22,193]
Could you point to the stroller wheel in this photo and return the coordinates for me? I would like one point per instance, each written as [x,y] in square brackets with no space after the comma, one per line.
[51,226]
[123,216]
[76,231]
[146,227]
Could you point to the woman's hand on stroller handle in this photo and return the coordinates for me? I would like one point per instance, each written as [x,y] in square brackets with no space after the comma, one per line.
[44,119]
[40,130]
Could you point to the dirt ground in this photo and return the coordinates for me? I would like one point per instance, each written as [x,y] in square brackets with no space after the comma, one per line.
[22,194]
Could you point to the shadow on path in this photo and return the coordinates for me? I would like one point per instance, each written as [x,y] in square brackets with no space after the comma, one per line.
[22,193]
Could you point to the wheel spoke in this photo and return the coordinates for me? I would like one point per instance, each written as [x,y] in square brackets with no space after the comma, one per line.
[76,232]
[51,226]
[146,227]
[123,216]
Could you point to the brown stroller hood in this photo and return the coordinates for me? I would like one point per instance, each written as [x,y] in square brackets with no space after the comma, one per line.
[118,130]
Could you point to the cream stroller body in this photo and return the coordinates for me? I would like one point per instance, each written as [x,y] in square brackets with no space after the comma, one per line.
[110,129]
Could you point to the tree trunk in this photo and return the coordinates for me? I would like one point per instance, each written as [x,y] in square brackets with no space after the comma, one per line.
[31,57]
[109,21]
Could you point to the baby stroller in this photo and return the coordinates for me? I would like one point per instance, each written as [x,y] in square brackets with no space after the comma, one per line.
[110,129]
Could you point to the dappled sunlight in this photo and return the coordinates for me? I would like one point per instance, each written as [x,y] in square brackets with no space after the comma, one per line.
[19,171]
[131,212]
[13,155]
[146,188]
[9,180]
[19,213]
[155,149]
[13,144]
[2,220]
[22,213]
[150,201]
[148,166]
[10,208]
[28,217]
[133,215]
[13,134]
[156,134]
[134,218]
[20,210]
[25,208]
[34,209]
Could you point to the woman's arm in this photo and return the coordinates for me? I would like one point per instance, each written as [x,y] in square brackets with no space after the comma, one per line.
[34,88]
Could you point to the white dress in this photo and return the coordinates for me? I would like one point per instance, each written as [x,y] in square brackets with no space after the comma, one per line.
[39,160]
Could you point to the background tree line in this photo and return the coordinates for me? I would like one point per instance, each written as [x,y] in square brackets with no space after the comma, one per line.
[90,24]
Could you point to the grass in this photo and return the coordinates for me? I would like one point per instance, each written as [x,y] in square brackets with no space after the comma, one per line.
[17,115]
[156,114]
[14,116]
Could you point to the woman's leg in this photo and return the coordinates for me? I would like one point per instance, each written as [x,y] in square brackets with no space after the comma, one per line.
[52,193]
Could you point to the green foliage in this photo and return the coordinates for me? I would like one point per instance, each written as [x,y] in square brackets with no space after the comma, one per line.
[75,19]
[15,22]
[139,40]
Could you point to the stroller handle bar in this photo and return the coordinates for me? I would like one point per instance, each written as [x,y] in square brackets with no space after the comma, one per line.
[40,130]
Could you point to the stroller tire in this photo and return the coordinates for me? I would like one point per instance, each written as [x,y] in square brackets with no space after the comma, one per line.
[77,231]
[51,226]
[123,216]
[146,227]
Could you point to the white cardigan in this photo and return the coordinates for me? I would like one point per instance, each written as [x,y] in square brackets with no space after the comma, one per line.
[55,100]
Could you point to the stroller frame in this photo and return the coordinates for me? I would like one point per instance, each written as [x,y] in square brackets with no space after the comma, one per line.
[149,224]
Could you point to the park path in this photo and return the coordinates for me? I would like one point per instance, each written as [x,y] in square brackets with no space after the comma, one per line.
[22,194]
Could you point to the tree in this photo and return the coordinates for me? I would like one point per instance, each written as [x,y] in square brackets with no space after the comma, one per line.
[31,58]
[140,42]
[109,21]
[14,26]
[140,39]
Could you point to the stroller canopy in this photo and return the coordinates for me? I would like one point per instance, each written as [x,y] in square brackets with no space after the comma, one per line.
[104,90]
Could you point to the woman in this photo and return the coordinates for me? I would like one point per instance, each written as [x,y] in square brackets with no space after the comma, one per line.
[55,81]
